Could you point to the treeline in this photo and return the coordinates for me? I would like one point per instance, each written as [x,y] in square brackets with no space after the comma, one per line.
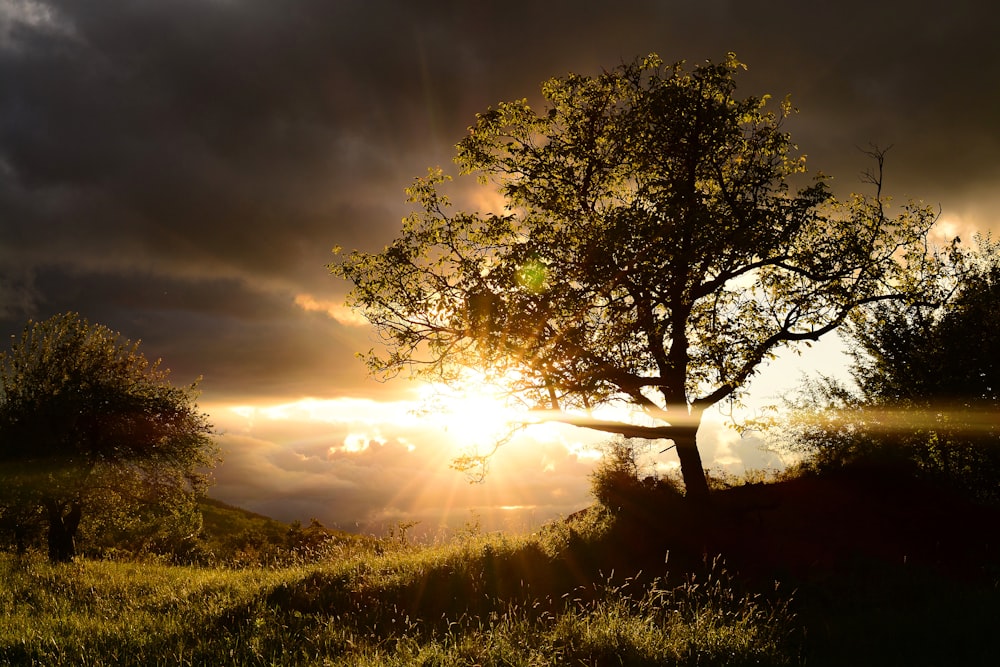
[234,537]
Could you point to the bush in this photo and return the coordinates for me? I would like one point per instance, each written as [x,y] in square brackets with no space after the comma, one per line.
[624,483]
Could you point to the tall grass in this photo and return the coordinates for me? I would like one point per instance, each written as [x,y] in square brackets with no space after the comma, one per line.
[486,600]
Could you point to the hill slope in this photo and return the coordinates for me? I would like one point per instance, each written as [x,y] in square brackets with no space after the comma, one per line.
[234,535]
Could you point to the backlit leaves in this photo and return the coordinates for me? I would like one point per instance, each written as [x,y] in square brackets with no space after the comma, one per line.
[652,248]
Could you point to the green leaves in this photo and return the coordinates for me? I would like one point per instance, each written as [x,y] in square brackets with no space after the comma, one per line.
[84,414]
[654,251]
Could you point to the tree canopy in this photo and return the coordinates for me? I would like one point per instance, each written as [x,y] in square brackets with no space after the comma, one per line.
[85,421]
[651,251]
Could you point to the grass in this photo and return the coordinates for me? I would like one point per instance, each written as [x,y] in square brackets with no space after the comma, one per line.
[223,520]
[885,571]
[480,600]
[106,612]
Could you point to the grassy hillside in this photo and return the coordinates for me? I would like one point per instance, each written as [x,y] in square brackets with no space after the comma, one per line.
[483,600]
[886,569]
[873,570]
[222,520]
[234,536]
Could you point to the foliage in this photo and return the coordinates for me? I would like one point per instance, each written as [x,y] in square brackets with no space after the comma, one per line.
[87,423]
[926,387]
[235,537]
[616,473]
[622,481]
[264,542]
[651,251]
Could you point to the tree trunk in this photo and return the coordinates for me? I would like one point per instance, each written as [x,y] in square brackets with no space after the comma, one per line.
[20,538]
[695,481]
[62,530]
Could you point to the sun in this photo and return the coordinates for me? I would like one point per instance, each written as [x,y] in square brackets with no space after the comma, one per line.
[476,412]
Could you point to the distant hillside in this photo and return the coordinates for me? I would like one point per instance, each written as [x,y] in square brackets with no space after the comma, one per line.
[221,520]
[233,534]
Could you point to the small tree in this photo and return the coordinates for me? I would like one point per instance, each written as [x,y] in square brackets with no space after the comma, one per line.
[651,252]
[86,421]
[925,391]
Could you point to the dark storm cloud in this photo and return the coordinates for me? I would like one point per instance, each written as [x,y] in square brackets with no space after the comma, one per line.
[218,148]
[187,132]
[179,170]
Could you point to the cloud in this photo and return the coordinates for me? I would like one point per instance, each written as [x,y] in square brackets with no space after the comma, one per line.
[367,467]
[18,294]
[21,17]
[332,309]
[737,454]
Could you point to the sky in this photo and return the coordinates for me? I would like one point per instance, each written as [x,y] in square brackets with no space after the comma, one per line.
[179,170]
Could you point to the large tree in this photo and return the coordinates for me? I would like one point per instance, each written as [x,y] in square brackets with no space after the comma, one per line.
[651,250]
[85,419]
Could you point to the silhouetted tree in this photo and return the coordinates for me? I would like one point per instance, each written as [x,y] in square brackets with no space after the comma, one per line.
[926,386]
[651,250]
[85,421]
[944,355]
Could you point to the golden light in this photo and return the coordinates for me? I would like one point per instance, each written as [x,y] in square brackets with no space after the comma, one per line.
[472,417]
[479,413]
